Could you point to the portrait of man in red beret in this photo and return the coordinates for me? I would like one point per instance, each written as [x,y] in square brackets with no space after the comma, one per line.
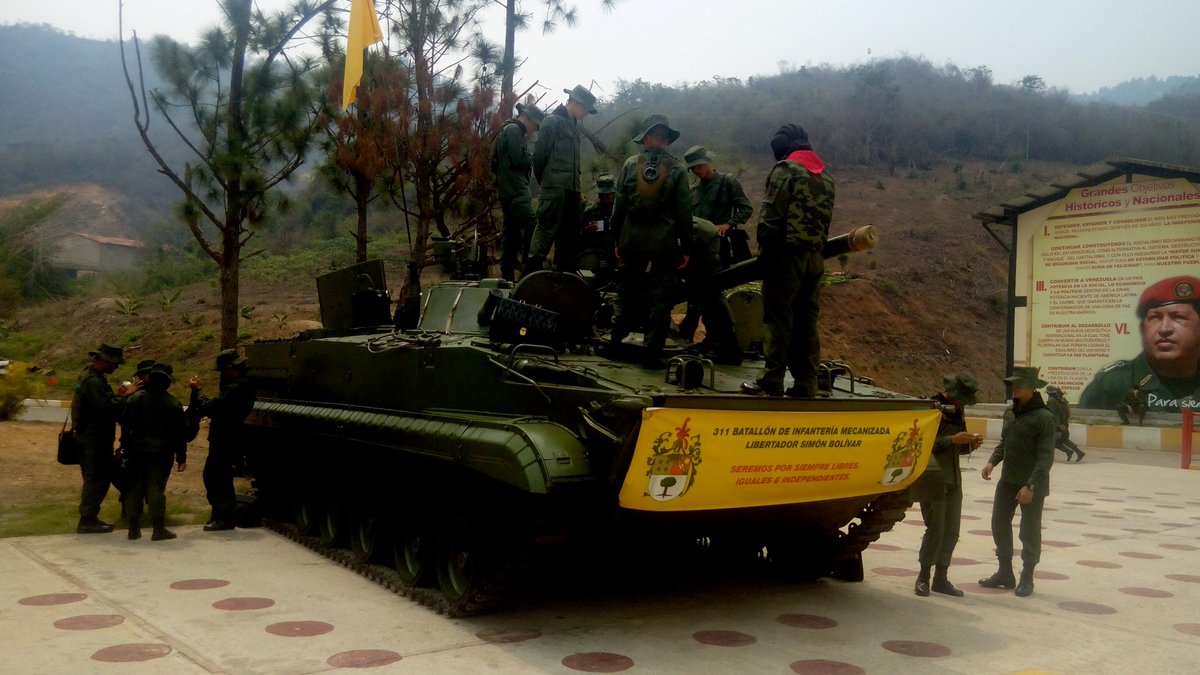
[1165,377]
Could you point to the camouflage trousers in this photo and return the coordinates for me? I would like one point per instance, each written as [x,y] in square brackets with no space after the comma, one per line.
[791,291]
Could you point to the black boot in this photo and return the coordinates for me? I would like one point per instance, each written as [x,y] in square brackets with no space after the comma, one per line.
[1003,578]
[92,525]
[1079,456]
[161,533]
[922,586]
[1025,587]
[942,585]
[135,530]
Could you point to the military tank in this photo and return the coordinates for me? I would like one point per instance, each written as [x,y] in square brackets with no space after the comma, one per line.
[452,452]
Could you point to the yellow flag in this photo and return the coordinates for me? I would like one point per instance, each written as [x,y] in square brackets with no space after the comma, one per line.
[363,30]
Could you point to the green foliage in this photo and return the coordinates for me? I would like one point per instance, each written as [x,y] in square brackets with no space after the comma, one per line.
[960,178]
[281,318]
[166,300]
[206,336]
[16,345]
[132,338]
[888,287]
[130,305]
[16,386]
[843,260]
[879,185]
[246,311]
[193,321]
[25,253]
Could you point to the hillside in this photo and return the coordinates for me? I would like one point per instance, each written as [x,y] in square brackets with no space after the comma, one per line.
[929,300]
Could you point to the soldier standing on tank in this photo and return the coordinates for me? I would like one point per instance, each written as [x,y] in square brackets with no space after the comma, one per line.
[155,434]
[652,227]
[95,410]
[595,228]
[1027,450]
[943,512]
[512,164]
[793,226]
[706,300]
[227,413]
[557,167]
[1057,403]
[718,198]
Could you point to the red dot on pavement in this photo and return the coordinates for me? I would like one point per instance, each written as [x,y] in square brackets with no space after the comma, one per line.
[1140,556]
[916,648]
[198,584]
[894,572]
[1189,578]
[723,638]
[90,622]
[1050,576]
[884,547]
[241,604]
[825,667]
[363,658]
[299,628]
[1188,628]
[1180,547]
[806,621]
[1087,608]
[598,662]
[507,636]
[1146,592]
[131,652]
[52,599]
[1099,564]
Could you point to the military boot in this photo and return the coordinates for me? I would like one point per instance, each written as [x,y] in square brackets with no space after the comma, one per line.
[1003,578]
[922,586]
[941,584]
[92,525]
[162,533]
[1025,586]
[135,530]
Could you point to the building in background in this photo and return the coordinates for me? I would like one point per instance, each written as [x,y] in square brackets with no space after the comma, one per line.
[80,254]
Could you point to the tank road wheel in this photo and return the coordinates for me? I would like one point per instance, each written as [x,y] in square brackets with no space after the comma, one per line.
[459,561]
[410,549]
[367,533]
[334,526]
[309,511]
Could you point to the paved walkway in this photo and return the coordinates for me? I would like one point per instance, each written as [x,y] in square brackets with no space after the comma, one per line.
[1118,592]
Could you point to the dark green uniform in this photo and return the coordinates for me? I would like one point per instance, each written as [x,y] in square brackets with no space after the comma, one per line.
[556,165]
[720,200]
[596,247]
[1061,410]
[154,437]
[1113,383]
[652,226]
[511,164]
[227,412]
[95,409]
[942,513]
[704,299]
[1026,449]
[793,226]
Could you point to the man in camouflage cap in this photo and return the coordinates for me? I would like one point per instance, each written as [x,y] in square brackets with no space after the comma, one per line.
[227,413]
[595,231]
[718,198]
[793,226]
[652,226]
[95,410]
[557,167]
[1166,375]
[511,164]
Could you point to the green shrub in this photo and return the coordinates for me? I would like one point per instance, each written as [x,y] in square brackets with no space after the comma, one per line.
[17,385]
[889,287]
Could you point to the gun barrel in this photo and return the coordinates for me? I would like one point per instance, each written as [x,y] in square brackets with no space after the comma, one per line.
[857,240]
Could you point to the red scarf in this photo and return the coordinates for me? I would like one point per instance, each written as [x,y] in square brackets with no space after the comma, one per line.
[808,159]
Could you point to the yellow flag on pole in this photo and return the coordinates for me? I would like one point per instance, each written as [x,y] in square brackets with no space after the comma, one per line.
[363,30]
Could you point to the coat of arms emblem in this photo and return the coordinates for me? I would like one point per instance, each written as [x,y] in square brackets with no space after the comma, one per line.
[906,449]
[673,463]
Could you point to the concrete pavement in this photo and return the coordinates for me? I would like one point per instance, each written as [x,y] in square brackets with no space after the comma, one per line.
[1118,591]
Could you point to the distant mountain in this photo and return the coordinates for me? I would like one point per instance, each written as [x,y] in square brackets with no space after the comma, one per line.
[1144,90]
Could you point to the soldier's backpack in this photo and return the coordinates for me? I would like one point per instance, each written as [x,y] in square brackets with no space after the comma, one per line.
[652,172]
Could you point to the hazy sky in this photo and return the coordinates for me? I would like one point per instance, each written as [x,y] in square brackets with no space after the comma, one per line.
[1075,46]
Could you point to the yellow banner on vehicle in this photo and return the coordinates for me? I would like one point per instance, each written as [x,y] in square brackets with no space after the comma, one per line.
[692,460]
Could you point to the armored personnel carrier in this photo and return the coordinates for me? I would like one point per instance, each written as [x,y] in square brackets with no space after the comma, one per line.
[452,452]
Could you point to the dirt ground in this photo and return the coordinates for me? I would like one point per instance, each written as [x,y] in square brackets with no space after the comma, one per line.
[40,496]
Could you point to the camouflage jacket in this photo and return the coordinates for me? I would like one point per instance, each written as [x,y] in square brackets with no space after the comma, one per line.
[154,423]
[511,164]
[797,208]
[721,200]
[95,409]
[1111,386]
[556,152]
[652,219]
[1026,446]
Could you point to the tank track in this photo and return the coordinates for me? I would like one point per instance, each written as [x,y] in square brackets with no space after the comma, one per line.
[877,517]
[499,592]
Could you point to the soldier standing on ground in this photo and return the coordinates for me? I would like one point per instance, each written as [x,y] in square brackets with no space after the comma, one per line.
[227,412]
[1027,449]
[1057,403]
[155,438]
[792,229]
[943,512]
[652,225]
[511,164]
[95,410]
[121,479]
[557,167]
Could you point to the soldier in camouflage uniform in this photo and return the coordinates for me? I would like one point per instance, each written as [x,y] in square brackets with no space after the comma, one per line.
[1166,375]
[718,198]
[227,412]
[155,436]
[95,410]
[652,225]
[595,231]
[556,165]
[512,164]
[792,229]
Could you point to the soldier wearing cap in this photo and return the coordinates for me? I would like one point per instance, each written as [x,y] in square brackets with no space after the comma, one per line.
[793,226]
[1166,375]
[595,231]
[227,412]
[1058,404]
[557,167]
[942,511]
[511,164]
[705,300]
[95,410]
[719,198]
[155,437]
[652,227]
[1027,450]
